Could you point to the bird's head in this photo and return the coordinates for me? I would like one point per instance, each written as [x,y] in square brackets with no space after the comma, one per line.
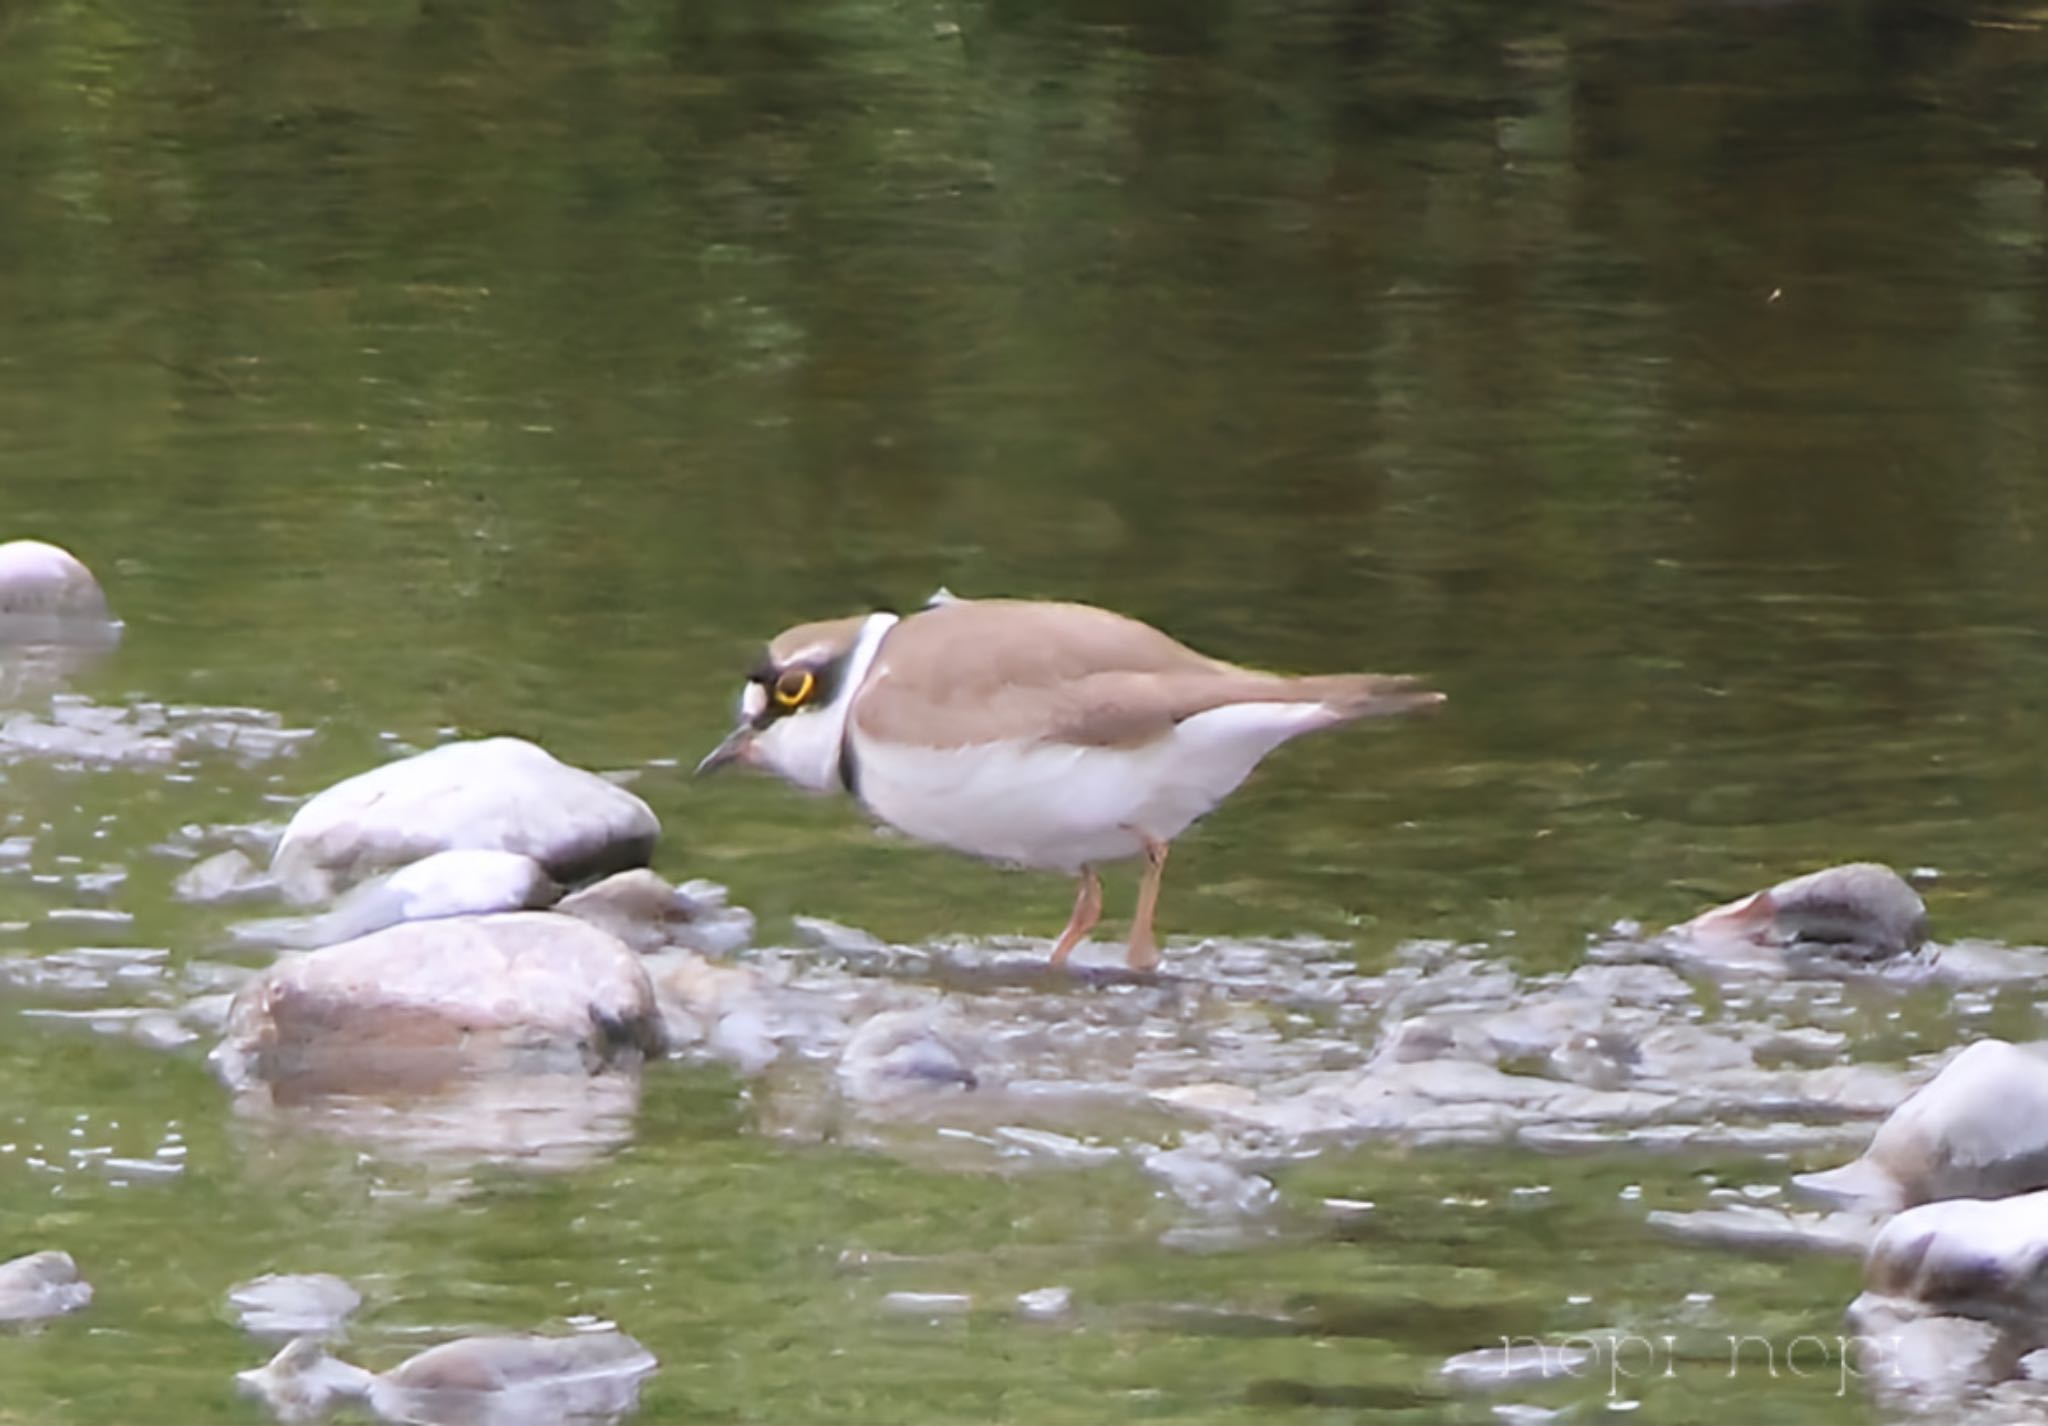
[793,707]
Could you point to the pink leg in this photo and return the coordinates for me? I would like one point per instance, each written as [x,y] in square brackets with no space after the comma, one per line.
[1143,953]
[1087,911]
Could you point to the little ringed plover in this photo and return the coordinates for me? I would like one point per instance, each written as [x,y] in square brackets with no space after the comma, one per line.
[1047,735]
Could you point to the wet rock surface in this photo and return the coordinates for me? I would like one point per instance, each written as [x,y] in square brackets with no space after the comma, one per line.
[497,794]
[75,732]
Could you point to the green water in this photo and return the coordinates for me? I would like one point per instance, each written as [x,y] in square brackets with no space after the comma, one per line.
[1668,382]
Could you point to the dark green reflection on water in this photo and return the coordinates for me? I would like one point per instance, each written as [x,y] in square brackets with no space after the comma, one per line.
[1664,380]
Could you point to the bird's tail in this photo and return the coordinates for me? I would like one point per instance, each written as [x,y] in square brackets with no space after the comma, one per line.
[1367,695]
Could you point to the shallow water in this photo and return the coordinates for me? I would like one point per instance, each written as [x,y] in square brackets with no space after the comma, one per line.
[1664,381]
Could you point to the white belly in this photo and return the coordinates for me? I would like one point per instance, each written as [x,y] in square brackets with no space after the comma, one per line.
[1055,805]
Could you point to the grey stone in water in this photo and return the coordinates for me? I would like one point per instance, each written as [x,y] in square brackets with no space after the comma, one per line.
[1858,912]
[904,1052]
[278,1306]
[44,590]
[413,1006]
[1977,1129]
[650,915]
[498,794]
[1043,1304]
[222,877]
[40,1285]
[1968,1257]
[54,621]
[303,1383]
[516,1381]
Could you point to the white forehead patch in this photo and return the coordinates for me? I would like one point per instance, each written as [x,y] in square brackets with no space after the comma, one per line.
[753,698]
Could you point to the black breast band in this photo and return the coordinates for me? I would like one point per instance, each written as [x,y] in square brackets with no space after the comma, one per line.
[849,766]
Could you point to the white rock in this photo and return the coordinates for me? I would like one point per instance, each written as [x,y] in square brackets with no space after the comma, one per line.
[498,794]
[1977,1129]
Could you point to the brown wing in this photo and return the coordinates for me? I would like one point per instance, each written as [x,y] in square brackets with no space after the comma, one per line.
[994,669]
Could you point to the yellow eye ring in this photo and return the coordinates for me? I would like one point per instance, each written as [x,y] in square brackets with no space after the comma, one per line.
[794,687]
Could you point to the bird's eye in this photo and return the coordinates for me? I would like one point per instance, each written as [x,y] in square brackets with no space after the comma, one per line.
[793,687]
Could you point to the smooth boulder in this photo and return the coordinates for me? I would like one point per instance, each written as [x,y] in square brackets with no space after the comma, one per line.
[54,621]
[1978,1129]
[496,794]
[418,1004]
[1968,1257]
[48,595]
[1857,912]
